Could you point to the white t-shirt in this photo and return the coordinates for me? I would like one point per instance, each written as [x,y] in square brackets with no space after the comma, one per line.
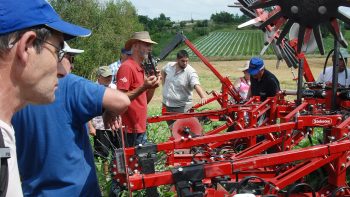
[14,188]
[178,86]
[327,77]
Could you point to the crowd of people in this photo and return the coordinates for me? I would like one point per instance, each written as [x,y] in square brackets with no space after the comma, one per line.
[45,127]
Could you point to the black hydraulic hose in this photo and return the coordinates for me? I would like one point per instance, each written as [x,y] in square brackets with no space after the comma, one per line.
[335,76]
[300,81]
[326,62]
[300,185]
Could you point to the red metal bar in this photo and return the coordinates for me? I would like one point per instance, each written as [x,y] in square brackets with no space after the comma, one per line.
[224,80]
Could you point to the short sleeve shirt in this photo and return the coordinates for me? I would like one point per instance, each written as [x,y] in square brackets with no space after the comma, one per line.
[131,76]
[178,86]
[268,86]
[54,152]
[328,75]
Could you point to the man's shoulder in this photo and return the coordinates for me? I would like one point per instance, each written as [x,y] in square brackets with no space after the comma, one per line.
[189,68]
[129,64]
[71,79]
[169,65]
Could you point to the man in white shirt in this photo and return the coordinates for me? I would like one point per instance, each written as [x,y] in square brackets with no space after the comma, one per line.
[179,80]
[343,72]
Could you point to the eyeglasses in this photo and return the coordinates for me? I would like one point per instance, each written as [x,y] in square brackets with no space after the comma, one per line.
[70,57]
[59,51]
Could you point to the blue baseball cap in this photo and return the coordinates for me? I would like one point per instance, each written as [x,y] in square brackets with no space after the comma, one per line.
[124,51]
[255,65]
[21,14]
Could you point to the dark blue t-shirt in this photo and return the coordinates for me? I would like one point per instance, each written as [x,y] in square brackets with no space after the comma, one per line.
[55,157]
[268,86]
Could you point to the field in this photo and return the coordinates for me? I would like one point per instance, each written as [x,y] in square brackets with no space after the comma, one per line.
[240,44]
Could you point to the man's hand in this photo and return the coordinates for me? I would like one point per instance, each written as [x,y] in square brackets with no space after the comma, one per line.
[92,131]
[203,100]
[111,120]
[152,82]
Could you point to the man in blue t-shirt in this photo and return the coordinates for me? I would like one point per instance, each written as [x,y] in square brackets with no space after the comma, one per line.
[54,152]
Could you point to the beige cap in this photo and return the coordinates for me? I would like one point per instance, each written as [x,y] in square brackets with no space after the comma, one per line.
[104,71]
[139,36]
[244,67]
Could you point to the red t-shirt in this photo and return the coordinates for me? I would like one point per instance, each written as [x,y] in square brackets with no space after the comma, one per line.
[131,76]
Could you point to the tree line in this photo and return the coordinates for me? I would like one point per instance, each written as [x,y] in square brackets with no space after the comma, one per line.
[112,23]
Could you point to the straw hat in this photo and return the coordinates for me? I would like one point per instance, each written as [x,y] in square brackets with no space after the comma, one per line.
[139,36]
[244,67]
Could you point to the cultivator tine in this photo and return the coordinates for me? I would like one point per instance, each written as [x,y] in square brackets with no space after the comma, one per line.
[109,140]
[97,153]
[243,2]
[263,4]
[284,31]
[344,17]
[334,28]
[288,58]
[250,22]
[292,55]
[318,38]
[248,12]
[301,35]
[270,20]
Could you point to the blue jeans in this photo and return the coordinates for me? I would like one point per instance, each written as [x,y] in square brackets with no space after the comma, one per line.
[134,139]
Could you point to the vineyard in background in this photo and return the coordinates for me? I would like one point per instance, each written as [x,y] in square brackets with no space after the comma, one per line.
[238,44]
[228,44]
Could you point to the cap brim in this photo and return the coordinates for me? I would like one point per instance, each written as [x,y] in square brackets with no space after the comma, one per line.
[74,51]
[243,69]
[69,30]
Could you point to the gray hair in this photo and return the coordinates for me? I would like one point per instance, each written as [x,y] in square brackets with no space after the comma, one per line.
[8,40]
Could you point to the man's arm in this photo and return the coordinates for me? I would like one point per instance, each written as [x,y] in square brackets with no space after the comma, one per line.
[201,93]
[163,75]
[150,83]
[115,103]
[92,129]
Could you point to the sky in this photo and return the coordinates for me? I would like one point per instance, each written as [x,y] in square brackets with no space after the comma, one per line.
[179,10]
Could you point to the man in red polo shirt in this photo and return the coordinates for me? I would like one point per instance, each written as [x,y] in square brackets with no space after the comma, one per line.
[140,88]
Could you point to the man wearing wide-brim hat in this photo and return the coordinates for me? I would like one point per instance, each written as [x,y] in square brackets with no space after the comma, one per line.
[140,88]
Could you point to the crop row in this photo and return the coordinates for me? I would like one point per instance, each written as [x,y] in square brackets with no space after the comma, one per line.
[230,44]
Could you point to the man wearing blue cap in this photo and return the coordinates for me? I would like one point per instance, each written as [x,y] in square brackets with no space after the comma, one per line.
[124,54]
[263,82]
[31,42]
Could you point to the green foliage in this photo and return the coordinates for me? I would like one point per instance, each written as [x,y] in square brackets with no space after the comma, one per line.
[111,23]
[203,23]
[201,31]
[159,24]
[222,17]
